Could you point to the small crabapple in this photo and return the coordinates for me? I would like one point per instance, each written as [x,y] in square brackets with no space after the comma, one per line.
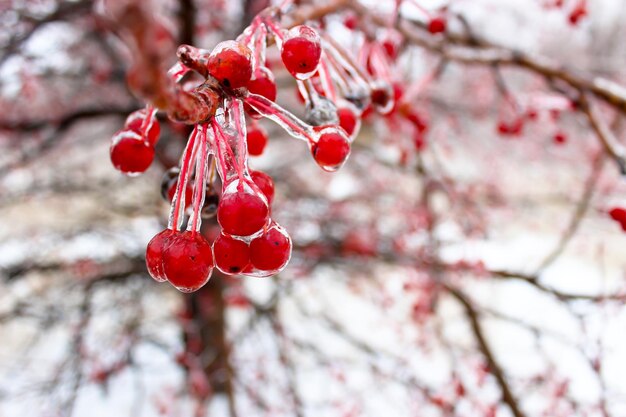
[154,254]
[301,51]
[135,122]
[265,184]
[230,64]
[231,255]
[271,251]
[129,153]
[256,140]
[187,261]
[242,211]
[331,149]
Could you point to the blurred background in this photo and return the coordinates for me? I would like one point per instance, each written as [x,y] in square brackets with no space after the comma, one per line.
[471,267]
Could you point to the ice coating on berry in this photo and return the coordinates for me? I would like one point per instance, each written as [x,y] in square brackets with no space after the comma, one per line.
[148,129]
[231,255]
[154,255]
[130,154]
[188,261]
[230,64]
[265,184]
[321,111]
[331,149]
[301,51]
[243,210]
[270,252]
[264,85]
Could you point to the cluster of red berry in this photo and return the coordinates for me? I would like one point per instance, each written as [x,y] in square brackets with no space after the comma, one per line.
[338,90]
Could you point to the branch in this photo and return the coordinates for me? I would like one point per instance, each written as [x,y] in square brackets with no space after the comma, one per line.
[494,367]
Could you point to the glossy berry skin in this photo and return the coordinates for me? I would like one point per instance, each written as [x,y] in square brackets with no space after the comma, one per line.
[263,84]
[188,261]
[152,129]
[301,51]
[130,154]
[332,149]
[231,255]
[242,213]
[348,120]
[437,25]
[257,140]
[270,251]
[265,184]
[229,63]
[154,255]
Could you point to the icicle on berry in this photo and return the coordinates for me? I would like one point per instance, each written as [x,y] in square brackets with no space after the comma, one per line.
[265,184]
[188,261]
[231,255]
[270,252]
[331,149]
[301,51]
[243,210]
[150,129]
[256,138]
[129,153]
[230,64]
[154,254]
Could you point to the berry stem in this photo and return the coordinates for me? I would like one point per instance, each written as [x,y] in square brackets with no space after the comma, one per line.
[178,203]
[326,79]
[294,126]
[201,181]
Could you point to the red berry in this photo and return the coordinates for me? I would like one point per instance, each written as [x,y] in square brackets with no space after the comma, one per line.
[229,63]
[154,254]
[619,215]
[188,261]
[242,212]
[578,13]
[231,255]
[560,138]
[348,120]
[301,51]
[135,122]
[263,84]
[437,25]
[332,149]
[271,251]
[382,96]
[265,184]
[257,140]
[129,153]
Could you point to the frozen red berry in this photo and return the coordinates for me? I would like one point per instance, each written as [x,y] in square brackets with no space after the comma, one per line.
[242,212]
[271,251]
[154,254]
[256,139]
[129,153]
[437,25]
[301,51]
[231,255]
[149,129]
[265,184]
[619,215]
[230,64]
[188,261]
[348,120]
[331,149]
